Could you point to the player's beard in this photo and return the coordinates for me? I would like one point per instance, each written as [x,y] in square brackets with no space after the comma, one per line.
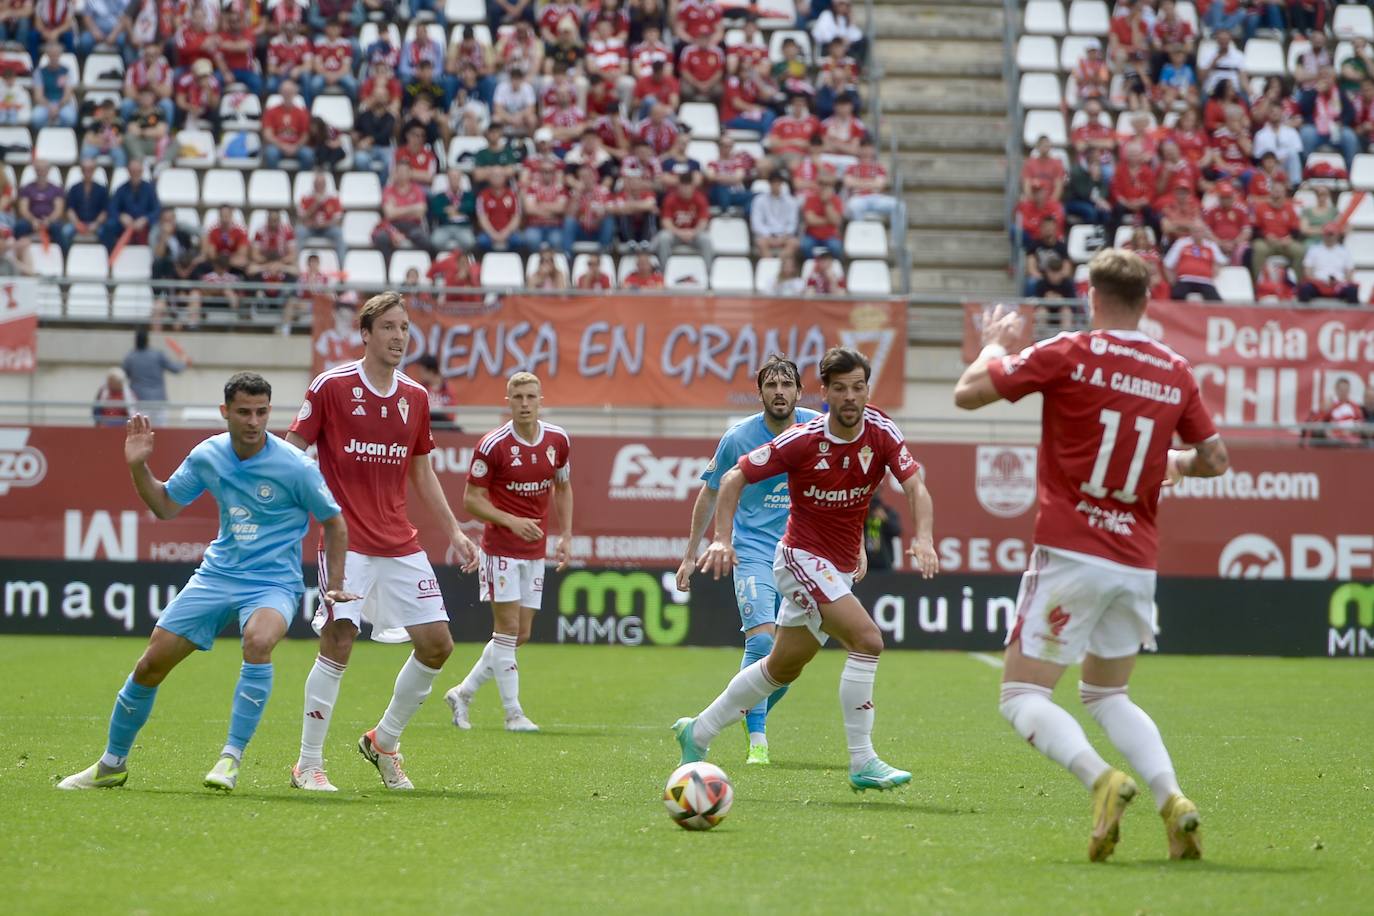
[843,415]
[780,409]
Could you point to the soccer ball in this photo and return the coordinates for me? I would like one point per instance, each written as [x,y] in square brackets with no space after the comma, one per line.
[698,795]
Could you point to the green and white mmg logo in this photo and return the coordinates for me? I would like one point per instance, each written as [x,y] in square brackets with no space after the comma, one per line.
[1351,635]
[637,605]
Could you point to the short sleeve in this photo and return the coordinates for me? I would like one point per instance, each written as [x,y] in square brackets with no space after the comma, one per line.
[1033,369]
[314,492]
[311,415]
[769,460]
[900,462]
[484,467]
[727,454]
[424,434]
[1196,423]
[186,483]
[563,472]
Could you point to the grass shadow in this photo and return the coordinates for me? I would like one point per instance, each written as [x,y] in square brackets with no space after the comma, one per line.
[342,797]
[1210,866]
[804,765]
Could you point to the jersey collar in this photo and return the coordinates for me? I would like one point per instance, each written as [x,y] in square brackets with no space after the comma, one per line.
[863,423]
[395,382]
[537,439]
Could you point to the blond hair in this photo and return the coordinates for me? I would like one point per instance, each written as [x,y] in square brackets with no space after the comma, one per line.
[378,305]
[522,378]
[1121,278]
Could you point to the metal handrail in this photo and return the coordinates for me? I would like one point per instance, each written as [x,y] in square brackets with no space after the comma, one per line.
[1011,30]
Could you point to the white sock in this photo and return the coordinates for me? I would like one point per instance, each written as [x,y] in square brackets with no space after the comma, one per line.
[481,671]
[231,751]
[412,686]
[856,705]
[1051,730]
[1135,735]
[112,760]
[507,673]
[321,692]
[742,694]
[758,739]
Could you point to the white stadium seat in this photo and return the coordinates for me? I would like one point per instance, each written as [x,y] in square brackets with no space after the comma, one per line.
[532,264]
[1083,242]
[56,145]
[178,188]
[1233,284]
[1362,172]
[235,160]
[365,267]
[729,235]
[1353,21]
[1040,90]
[18,139]
[1361,247]
[873,278]
[269,188]
[195,149]
[865,239]
[1124,233]
[369,32]
[98,63]
[766,273]
[132,301]
[1264,57]
[329,259]
[135,263]
[305,182]
[334,110]
[583,263]
[1187,11]
[732,275]
[467,12]
[1089,17]
[1037,53]
[502,270]
[776,39]
[1362,218]
[401,261]
[459,147]
[685,271]
[700,119]
[1047,124]
[54,175]
[223,186]
[1365,280]
[360,191]
[358,226]
[74,176]
[1044,17]
[704,152]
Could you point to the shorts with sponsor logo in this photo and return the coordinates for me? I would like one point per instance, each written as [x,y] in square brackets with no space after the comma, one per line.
[396,591]
[502,579]
[805,582]
[756,593]
[208,602]
[1070,604]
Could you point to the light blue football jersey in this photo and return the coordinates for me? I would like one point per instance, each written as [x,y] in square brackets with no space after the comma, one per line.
[265,504]
[763,506]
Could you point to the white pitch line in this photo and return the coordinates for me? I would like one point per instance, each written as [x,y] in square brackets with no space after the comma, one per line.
[991,661]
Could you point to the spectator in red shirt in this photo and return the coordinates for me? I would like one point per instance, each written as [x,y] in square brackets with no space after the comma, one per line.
[1132,192]
[636,206]
[498,217]
[685,215]
[416,153]
[591,213]
[660,86]
[1268,175]
[1275,283]
[842,133]
[745,99]
[1042,165]
[645,275]
[236,54]
[1036,209]
[226,237]
[1230,223]
[456,269]
[332,63]
[791,134]
[284,129]
[194,41]
[1344,414]
[545,205]
[1179,215]
[290,55]
[1193,263]
[320,216]
[1279,230]
[822,218]
[702,69]
[699,18]
[659,131]
[404,208]
[150,71]
[827,277]
[197,96]
[730,176]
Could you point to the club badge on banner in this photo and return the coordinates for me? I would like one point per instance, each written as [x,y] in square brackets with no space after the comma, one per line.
[18,325]
[641,351]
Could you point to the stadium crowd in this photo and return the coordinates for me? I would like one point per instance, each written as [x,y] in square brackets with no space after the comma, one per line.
[1177,152]
[547,129]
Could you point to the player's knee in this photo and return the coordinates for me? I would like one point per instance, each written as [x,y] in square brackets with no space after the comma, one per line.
[522,637]
[758,645]
[435,652]
[149,671]
[257,648]
[869,642]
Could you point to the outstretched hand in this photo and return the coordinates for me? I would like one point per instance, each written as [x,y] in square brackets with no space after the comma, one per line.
[1002,326]
[138,439]
[927,560]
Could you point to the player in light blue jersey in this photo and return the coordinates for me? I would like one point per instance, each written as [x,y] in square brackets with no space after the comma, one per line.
[759,524]
[266,491]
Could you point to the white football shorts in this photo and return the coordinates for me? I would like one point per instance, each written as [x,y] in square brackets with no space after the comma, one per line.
[806,581]
[502,579]
[396,592]
[1070,605]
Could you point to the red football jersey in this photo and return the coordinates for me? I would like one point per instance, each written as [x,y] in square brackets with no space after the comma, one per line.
[831,481]
[366,440]
[1112,403]
[519,478]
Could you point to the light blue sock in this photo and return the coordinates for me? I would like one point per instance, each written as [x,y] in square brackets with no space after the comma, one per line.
[756,647]
[250,696]
[133,705]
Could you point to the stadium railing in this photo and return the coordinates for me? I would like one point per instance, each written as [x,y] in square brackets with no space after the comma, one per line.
[1011,28]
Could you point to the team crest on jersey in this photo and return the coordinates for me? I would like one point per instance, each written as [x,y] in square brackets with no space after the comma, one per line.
[711,466]
[1005,479]
[359,411]
[479,468]
[904,459]
[759,456]
[823,446]
[515,461]
[865,458]
[357,394]
[264,492]
[551,455]
[403,405]
[304,413]
[1098,345]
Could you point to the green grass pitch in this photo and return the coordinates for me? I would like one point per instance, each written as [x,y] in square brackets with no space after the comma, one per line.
[1278,754]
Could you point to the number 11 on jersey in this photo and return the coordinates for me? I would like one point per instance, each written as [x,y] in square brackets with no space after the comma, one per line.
[1111,424]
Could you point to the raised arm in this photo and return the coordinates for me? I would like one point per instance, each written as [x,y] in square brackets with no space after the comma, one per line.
[138,448]
[1205,459]
[1001,331]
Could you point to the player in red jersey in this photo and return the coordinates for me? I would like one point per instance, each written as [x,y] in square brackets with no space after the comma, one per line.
[833,464]
[515,471]
[370,423]
[1113,401]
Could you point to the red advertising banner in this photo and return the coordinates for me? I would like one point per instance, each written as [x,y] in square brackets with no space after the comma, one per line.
[1268,365]
[18,325]
[1279,513]
[640,351]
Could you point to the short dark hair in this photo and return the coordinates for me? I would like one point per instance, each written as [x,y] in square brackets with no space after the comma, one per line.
[141,339]
[429,361]
[249,383]
[777,364]
[839,360]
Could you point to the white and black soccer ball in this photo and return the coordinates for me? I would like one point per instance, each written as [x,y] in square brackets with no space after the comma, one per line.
[698,795]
